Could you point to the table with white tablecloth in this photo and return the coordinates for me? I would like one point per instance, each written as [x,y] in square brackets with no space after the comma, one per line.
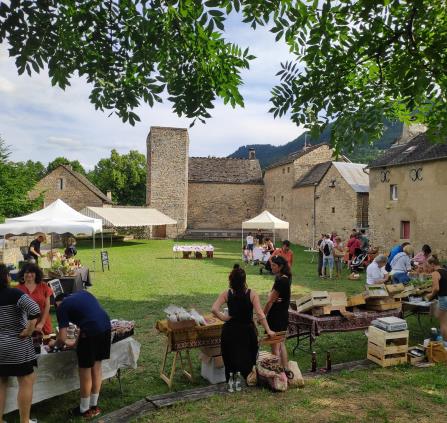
[57,373]
[186,250]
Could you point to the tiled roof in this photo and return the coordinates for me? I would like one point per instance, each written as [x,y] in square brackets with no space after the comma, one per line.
[314,176]
[293,156]
[88,184]
[224,170]
[419,149]
[354,175]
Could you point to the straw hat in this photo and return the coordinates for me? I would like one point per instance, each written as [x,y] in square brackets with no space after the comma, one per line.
[42,235]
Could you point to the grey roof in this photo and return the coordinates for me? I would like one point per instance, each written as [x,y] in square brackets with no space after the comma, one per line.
[293,156]
[87,183]
[224,170]
[354,175]
[419,149]
[314,175]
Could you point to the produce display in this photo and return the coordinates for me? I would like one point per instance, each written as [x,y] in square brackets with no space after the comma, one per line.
[61,266]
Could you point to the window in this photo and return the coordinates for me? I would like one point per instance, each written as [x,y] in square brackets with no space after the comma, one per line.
[393,192]
[288,169]
[404,229]
[333,209]
[283,170]
[282,198]
[274,198]
[60,184]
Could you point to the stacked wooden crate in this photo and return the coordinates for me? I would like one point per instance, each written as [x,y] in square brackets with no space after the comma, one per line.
[378,298]
[387,348]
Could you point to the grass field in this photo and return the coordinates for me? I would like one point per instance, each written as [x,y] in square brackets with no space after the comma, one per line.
[144,279]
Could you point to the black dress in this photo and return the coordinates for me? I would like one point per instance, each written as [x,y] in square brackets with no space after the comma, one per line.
[278,315]
[239,341]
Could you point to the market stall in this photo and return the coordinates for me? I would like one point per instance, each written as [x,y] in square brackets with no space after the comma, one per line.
[57,218]
[184,337]
[265,220]
[57,373]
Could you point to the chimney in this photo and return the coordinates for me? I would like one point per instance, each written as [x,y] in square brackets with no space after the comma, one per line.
[109,195]
[251,154]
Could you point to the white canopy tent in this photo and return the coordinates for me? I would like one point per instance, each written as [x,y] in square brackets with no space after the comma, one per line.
[119,217]
[56,218]
[265,220]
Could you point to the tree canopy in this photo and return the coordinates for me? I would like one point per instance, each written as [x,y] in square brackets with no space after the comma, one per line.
[353,62]
[75,164]
[124,175]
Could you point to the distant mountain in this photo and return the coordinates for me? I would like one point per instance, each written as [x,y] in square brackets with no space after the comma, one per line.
[268,154]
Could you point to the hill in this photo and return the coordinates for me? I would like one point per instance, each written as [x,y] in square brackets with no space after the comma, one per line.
[268,154]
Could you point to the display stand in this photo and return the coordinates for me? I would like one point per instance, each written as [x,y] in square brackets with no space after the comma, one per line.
[169,378]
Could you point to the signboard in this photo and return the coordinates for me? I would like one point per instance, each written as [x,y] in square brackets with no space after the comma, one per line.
[105,260]
[56,286]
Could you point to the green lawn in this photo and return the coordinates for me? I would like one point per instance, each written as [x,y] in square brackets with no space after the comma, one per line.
[144,279]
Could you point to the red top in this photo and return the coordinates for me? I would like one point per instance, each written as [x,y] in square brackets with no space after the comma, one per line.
[40,295]
[287,255]
[353,244]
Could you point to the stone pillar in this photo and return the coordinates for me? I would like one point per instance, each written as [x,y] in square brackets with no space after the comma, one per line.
[167,174]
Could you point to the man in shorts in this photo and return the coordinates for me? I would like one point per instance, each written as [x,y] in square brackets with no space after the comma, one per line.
[84,310]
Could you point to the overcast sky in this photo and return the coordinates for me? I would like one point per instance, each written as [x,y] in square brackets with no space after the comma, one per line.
[41,122]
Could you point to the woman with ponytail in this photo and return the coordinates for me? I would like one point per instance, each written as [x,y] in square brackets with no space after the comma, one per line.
[239,341]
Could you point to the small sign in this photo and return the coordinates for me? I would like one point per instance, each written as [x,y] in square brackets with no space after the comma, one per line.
[56,286]
[105,260]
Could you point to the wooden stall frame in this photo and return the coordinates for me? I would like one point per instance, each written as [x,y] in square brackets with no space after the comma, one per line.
[169,379]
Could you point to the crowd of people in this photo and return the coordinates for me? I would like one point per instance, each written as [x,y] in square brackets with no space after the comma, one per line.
[24,315]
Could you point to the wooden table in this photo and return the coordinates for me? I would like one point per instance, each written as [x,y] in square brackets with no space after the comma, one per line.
[183,340]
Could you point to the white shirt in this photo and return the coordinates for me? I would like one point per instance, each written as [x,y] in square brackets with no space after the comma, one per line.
[401,263]
[249,240]
[330,244]
[374,273]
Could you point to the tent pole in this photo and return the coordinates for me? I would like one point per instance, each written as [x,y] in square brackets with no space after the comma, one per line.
[94,258]
[102,241]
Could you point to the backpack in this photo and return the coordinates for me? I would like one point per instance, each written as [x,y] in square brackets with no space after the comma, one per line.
[326,250]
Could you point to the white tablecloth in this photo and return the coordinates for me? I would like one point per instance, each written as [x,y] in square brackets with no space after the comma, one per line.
[57,373]
[195,248]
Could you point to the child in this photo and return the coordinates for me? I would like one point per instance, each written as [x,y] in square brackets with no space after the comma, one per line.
[245,254]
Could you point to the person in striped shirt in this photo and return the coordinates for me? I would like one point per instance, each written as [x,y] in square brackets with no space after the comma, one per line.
[18,317]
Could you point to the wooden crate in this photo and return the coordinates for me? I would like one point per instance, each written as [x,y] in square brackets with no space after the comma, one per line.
[314,299]
[338,299]
[395,288]
[376,291]
[413,359]
[356,300]
[387,348]
[408,290]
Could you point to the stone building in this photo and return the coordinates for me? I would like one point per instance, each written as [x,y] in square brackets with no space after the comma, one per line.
[71,187]
[331,196]
[200,192]
[408,195]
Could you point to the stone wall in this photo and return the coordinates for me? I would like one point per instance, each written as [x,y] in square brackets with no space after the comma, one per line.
[167,176]
[301,219]
[73,192]
[222,206]
[423,203]
[279,181]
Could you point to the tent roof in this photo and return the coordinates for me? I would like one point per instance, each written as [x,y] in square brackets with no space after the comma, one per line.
[58,217]
[128,216]
[265,220]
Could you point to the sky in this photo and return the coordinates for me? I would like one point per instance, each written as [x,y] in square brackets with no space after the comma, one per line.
[42,122]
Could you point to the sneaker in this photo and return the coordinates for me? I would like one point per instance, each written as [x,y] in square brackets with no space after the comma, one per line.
[95,411]
[76,412]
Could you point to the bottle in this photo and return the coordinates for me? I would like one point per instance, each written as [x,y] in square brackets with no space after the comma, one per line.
[434,334]
[238,381]
[230,383]
[328,361]
[314,362]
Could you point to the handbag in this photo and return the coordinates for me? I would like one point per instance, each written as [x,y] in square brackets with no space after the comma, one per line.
[436,353]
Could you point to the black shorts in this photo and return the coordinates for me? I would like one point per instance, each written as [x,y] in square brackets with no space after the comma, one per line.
[93,348]
[22,369]
[250,247]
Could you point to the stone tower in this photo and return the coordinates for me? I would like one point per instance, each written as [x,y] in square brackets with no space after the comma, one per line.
[167,174]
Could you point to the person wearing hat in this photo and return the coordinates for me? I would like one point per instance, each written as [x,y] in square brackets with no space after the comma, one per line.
[34,248]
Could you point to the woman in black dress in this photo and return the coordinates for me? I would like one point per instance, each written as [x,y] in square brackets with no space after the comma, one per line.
[277,307]
[239,341]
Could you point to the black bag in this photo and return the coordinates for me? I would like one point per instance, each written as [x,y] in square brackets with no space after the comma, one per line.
[326,250]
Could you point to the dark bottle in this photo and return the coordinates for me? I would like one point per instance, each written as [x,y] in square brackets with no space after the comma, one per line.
[314,362]
[328,361]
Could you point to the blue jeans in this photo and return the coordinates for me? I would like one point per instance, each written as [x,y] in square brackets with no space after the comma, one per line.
[401,278]
[328,260]
[442,304]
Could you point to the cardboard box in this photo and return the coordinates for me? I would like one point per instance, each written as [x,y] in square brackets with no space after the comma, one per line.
[183,324]
[213,370]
